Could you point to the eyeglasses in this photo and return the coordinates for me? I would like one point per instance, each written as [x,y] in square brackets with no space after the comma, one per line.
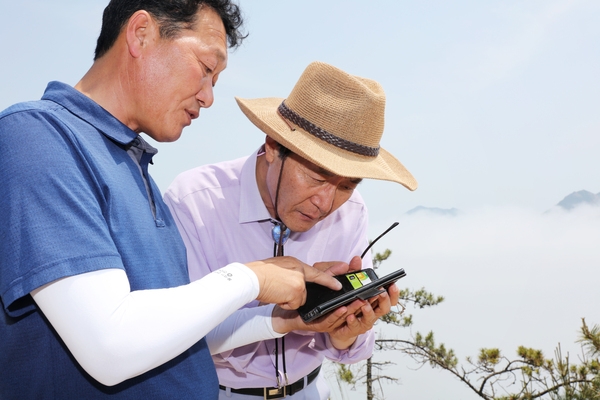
[379,237]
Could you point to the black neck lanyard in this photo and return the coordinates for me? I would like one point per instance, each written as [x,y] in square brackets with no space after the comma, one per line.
[280,234]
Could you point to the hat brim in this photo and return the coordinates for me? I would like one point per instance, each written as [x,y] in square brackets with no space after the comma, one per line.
[263,113]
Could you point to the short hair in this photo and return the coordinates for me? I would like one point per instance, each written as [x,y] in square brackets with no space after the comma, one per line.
[172,16]
[282,151]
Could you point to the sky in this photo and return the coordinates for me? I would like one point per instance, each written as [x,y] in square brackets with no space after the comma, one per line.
[493,106]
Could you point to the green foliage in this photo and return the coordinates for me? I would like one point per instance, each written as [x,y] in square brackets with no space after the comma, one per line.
[381,257]
[436,355]
[590,339]
[527,377]
[420,298]
[345,374]
[395,318]
[488,358]
[532,357]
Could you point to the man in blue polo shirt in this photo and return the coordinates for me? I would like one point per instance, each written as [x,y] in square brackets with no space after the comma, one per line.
[95,296]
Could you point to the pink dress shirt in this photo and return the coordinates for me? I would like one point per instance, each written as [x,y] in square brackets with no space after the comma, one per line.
[223,219]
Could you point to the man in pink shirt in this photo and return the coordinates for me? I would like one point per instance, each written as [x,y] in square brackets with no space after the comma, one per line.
[297,193]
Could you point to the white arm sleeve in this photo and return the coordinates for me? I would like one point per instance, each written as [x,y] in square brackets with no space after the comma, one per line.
[116,334]
[248,325]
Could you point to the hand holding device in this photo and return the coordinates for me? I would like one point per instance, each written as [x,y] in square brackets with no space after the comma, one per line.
[362,285]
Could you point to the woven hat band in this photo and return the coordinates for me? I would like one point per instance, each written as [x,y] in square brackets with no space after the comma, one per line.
[322,134]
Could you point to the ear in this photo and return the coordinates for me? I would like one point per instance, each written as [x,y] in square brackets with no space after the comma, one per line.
[271,149]
[141,30]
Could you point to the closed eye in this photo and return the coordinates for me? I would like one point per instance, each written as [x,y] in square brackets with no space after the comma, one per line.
[313,176]
[351,185]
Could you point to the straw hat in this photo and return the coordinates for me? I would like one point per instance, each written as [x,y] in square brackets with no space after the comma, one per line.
[333,119]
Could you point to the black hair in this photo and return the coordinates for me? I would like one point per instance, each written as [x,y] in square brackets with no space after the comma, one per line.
[283,151]
[172,16]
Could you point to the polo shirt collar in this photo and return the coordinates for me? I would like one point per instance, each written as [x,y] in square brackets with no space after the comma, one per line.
[252,207]
[88,110]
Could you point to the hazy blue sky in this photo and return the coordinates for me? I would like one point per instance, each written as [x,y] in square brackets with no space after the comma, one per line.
[489,103]
[492,105]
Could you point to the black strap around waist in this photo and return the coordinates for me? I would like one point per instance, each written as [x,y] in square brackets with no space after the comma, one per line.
[277,393]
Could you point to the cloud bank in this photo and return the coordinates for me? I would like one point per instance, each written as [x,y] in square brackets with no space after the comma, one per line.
[510,276]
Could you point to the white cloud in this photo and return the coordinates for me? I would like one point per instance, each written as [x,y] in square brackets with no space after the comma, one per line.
[510,276]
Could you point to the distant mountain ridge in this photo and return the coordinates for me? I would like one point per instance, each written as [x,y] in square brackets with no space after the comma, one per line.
[451,212]
[581,197]
[569,203]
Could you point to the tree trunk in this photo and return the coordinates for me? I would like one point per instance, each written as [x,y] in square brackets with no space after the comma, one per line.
[369,380]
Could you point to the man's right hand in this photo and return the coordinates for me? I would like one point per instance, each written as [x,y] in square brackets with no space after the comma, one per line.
[283,281]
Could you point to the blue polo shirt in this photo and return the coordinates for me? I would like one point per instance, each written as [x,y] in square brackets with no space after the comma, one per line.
[74,201]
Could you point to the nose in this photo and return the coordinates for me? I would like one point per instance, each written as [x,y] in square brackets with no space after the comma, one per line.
[205,95]
[324,198]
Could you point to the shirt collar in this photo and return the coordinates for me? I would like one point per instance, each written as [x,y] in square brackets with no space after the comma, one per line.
[252,207]
[88,110]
